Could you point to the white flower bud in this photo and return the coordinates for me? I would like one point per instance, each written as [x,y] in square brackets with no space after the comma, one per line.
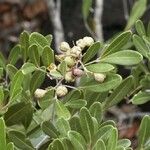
[64,46]
[61,91]
[39,93]
[76,51]
[77,72]
[69,61]
[69,77]
[99,77]
[88,41]
[81,43]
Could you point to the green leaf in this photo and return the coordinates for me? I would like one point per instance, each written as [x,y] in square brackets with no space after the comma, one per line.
[140,28]
[47,56]
[111,81]
[14,55]
[2,134]
[28,68]
[137,11]
[57,145]
[34,55]
[119,93]
[10,146]
[125,57]
[36,80]
[112,141]
[63,68]
[11,70]
[39,40]
[91,51]
[124,142]
[47,100]
[63,126]
[100,67]
[86,5]
[1,95]
[76,103]
[144,132]
[2,60]
[24,42]
[141,98]
[100,145]
[49,129]
[19,139]
[117,43]
[18,113]
[61,110]
[86,123]
[140,45]
[49,38]
[16,84]
[77,140]
[96,111]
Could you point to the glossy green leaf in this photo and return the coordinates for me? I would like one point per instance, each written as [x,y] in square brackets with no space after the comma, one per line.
[1,95]
[100,145]
[36,80]
[11,70]
[86,123]
[49,129]
[119,93]
[20,141]
[16,84]
[61,110]
[86,5]
[14,55]
[112,142]
[76,103]
[17,113]
[140,28]
[117,43]
[109,83]
[77,140]
[91,51]
[28,68]
[2,134]
[10,146]
[63,126]
[144,132]
[137,11]
[100,67]
[24,42]
[34,55]
[39,40]
[96,111]
[141,98]
[125,57]
[47,56]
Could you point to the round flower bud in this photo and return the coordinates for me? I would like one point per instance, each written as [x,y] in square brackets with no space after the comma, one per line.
[64,46]
[77,72]
[60,57]
[81,43]
[69,77]
[61,91]
[76,51]
[99,77]
[69,61]
[88,41]
[39,93]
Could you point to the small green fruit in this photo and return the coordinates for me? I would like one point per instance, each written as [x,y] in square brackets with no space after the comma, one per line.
[69,77]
